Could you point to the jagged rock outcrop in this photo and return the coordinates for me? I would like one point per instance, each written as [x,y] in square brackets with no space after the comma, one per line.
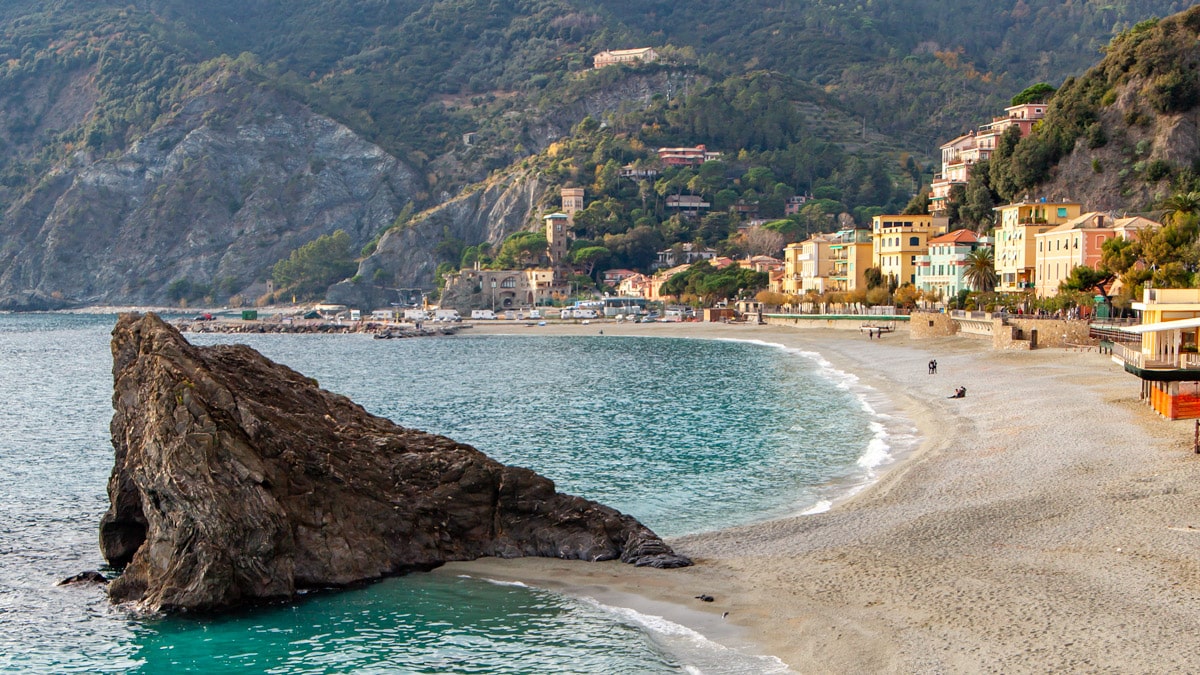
[407,257]
[238,479]
[229,184]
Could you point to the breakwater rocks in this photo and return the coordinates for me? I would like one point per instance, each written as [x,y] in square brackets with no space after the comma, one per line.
[380,330]
[239,480]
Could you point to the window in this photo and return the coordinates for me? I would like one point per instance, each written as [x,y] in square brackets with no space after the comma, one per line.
[1062,212]
[914,241]
[510,282]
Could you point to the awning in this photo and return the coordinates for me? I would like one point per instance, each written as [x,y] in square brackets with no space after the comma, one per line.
[1180,324]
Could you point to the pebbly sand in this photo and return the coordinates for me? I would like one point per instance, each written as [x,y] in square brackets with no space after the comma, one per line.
[1048,523]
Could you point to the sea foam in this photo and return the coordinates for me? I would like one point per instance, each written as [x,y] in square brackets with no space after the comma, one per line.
[696,653]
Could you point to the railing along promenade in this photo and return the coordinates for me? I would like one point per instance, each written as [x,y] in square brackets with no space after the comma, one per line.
[1132,355]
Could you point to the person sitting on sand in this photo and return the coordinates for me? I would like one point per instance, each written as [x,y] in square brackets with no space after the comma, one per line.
[960,392]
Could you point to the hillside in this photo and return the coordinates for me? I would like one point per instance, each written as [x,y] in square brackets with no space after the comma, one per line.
[1126,134]
[96,99]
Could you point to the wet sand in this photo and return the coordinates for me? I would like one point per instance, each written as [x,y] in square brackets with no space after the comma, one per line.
[1048,523]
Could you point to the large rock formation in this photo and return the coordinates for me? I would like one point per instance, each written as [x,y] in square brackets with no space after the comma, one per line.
[238,479]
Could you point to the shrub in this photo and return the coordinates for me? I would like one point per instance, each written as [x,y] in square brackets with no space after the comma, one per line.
[1157,170]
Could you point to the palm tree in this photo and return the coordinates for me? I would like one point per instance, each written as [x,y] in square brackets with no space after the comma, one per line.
[1181,204]
[981,269]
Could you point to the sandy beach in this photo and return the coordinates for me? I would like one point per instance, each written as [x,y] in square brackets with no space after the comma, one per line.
[1048,523]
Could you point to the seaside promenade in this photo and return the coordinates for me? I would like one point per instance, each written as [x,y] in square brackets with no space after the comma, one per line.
[1047,523]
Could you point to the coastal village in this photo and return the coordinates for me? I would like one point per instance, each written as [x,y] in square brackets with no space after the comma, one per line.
[923,272]
[838,503]
[1035,247]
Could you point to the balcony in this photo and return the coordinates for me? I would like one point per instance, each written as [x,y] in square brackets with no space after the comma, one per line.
[1180,366]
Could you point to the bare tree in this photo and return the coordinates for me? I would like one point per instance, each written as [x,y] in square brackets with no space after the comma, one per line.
[761,241]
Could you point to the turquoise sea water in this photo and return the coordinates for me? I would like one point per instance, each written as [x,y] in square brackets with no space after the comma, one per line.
[686,435]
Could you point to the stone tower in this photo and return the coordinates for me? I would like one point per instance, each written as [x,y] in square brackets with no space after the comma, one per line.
[572,201]
[557,231]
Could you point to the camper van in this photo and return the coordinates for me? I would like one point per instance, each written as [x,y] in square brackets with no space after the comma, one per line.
[415,315]
[446,315]
[486,314]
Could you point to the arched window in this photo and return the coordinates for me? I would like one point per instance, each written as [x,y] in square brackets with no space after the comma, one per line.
[509,282]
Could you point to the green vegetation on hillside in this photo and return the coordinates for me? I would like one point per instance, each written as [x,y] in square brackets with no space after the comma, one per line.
[1158,58]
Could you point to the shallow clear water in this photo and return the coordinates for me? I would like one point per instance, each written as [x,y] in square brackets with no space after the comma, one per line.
[686,435]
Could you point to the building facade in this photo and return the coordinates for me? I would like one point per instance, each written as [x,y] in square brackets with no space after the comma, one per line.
[1079,242]
[808,265]
[617,56]
[694,156]
[943,269]
[897,240]
[852,254]
[1016,239]
[960,154]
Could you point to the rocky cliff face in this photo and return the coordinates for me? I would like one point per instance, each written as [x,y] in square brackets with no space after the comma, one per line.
[407,256]
[232,182]
[237,479]
[1118,176]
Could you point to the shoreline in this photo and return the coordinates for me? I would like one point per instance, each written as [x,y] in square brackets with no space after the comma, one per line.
[1044,524]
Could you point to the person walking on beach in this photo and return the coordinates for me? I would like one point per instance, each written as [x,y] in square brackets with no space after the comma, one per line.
[933,366]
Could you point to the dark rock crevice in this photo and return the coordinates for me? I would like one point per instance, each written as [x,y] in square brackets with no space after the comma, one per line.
[238,480]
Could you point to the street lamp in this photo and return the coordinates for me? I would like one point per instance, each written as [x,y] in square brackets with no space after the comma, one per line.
[493,296]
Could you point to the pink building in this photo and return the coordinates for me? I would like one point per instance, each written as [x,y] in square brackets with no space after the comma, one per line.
[614,277]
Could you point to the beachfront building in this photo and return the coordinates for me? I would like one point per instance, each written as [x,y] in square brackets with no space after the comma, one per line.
[898,240]
[852,253]
[962,153]
[1064,247]
[1166,360]
[809,264]
[1077,242]
[503,289]
[654,289]
[943,269]
[630,56]
[1016,239]
[635,286]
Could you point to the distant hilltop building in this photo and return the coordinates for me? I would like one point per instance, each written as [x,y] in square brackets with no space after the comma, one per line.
[694,156]
[960,154]
[616,56]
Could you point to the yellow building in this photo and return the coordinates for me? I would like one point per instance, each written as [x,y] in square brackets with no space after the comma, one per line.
[808,265]
[898,240]
[852,254]
[615,56]
[1016,239]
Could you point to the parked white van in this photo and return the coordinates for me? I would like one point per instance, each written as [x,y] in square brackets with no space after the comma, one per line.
[483,314]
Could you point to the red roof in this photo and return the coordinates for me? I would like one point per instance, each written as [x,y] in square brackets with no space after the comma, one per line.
[956,237]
